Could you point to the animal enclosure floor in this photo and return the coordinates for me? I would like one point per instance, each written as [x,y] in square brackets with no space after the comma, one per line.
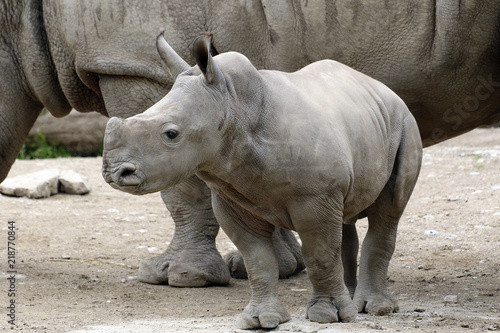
[77,256]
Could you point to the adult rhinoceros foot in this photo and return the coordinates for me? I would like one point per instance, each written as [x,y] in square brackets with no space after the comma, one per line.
[193,268]
[288,251]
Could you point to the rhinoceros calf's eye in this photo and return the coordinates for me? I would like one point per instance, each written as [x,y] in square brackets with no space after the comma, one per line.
[171,134]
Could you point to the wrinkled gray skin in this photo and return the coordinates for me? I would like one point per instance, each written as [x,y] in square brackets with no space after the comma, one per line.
[440,57]
[304,151]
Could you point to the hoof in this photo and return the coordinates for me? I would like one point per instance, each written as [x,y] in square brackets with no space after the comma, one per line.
[182,275]
[379,305]
[329,311]
[266,320]
[203,270]
[322,312]
[153,271]
[262,316]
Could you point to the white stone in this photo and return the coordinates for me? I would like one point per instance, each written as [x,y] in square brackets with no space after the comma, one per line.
[72,182]
[40,184]
[450,299]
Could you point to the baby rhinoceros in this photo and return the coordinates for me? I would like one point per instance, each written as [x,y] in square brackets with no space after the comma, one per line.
[311,151]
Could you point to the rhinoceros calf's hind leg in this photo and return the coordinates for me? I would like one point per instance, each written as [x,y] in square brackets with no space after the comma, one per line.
[383,215]
[371,294]
[192,259]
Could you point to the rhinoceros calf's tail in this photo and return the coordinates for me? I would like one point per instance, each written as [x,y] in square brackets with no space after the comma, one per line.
[407,163]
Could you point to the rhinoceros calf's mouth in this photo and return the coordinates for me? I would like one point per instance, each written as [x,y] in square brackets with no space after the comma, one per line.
[125,188]
[134,189]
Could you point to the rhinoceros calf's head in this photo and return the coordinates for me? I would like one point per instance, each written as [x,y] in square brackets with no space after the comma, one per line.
[170,141]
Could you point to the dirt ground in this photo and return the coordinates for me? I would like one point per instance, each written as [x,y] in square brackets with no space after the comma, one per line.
[77,257]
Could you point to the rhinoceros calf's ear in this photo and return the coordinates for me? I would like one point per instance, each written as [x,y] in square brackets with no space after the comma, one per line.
[201,52]
[171,59]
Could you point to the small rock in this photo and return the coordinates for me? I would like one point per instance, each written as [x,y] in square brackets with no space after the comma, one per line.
[72,182]
[152,249]
[41,184]
[451,299]
[375,326]
[431,232]
[299,325]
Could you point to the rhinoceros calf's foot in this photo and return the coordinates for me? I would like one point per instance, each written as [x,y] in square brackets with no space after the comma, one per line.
[188,270]
[376,304]
[328,310]
[267,315]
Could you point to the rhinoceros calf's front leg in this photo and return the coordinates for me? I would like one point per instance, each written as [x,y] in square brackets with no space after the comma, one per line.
[259,254]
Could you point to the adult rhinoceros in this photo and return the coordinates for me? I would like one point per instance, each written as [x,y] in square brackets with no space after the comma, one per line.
[442,58]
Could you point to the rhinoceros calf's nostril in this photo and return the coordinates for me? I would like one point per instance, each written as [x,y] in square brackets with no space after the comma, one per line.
[126,172]
[126,175]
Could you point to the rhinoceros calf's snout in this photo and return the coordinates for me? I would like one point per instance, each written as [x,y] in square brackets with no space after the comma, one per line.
[118,173]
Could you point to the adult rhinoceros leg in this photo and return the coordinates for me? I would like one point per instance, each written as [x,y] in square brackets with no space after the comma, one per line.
[192,259]
[18,113]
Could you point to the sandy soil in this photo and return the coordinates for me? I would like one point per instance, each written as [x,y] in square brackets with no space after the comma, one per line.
[77,257]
